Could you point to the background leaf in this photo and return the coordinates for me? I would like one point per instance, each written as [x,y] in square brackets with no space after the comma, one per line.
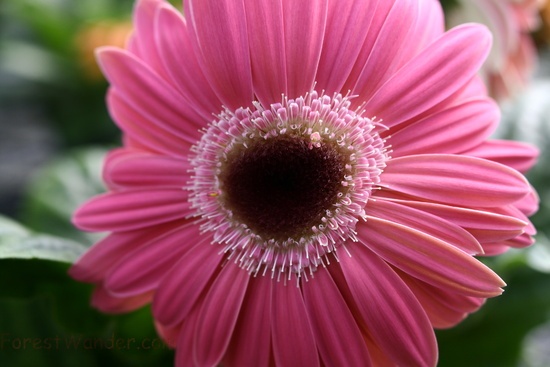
[59,188]
[18,242]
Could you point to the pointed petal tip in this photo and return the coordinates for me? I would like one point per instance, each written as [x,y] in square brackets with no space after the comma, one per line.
[477,31]
[102,53]
[78,273]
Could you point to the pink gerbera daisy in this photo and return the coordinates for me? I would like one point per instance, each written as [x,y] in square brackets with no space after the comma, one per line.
[303,183]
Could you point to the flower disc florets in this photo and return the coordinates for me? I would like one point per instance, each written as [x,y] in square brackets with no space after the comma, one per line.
[284,186]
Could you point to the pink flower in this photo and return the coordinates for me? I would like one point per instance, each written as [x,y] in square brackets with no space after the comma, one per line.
[303,183]
[513,56]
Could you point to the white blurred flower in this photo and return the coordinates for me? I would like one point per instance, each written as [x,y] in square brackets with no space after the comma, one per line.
[513,56]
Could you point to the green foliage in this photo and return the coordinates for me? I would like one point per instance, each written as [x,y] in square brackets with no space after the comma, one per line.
[18,242]
[448,4]
[58,189]
[47,321]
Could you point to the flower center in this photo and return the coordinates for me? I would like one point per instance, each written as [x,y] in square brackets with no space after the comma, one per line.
[282,187]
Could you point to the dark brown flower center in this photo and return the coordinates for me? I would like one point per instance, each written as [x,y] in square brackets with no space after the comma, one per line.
[282,186]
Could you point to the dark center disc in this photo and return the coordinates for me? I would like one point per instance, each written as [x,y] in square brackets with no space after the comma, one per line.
[282,186]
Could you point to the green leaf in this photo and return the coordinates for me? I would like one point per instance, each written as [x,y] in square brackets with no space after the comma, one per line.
[18,242]
[58,190]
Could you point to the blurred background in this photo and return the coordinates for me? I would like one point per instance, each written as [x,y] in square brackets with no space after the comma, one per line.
[55,130]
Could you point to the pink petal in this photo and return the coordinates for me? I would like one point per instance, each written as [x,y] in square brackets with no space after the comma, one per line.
[253,327]
[429,259]
[304,29]
[445,309]
[427,223]
[439,71]
[144,132]
[389,309]
[218,315]
[522,241]
[106,302]
[431,21]
[185,353]
[148,94]
[143,40]
[339,339]
[293,338]
[222,39]
[265,22]
[142,270]
[520,156]
[452,130]
[381,8]
[102,256]
[181,64]
[129,210]
[168,335]
[185,283]
[485,226]
[347,27]
[454,179]
[390,44]
[378,356]
[133,169]
[494,249]
[529,204]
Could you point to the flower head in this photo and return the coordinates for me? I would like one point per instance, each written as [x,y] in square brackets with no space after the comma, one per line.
[303,183]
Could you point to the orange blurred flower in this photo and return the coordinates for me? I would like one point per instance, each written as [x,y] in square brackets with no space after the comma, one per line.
[94,35]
